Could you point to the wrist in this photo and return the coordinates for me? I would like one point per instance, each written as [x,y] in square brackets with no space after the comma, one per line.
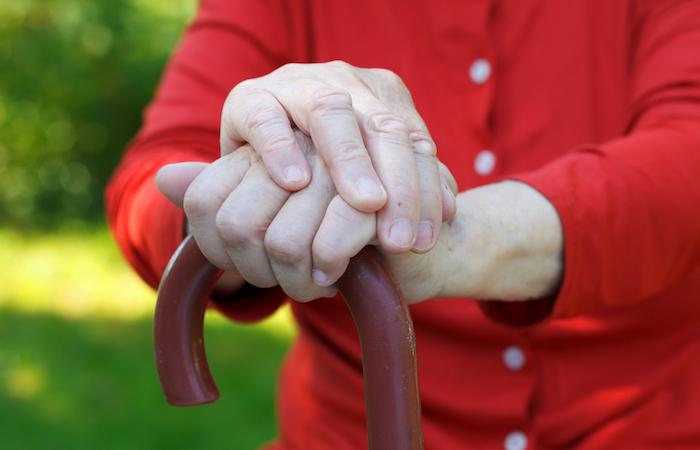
[505,243]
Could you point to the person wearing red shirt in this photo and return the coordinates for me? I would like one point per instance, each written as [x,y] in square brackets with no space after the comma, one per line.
[570,127]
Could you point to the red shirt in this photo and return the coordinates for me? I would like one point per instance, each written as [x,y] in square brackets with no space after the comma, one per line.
[595,103]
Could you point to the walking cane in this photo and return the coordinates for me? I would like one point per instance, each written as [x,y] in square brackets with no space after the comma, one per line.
[381,317]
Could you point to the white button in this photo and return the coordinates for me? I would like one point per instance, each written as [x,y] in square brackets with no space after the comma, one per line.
[484,162]
[514,358]
[480,71]
[515,440]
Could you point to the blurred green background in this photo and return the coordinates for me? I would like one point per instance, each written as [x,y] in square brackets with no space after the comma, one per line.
[76,369]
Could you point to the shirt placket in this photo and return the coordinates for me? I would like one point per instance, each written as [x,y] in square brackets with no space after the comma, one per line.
[480,71]
[519,377]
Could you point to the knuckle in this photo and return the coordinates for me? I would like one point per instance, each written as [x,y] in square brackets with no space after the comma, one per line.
[339,209]
[197,204]
[260,118]
[289,68]
[338,64]
[324,253]
[349,152]
[329,100]
[239,89]
[423,144]
[390,77]
[275,145]
[386,123]
[284,249]
[238,94]
[235,232]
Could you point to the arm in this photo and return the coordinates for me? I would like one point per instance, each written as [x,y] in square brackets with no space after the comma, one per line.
[182,123]
[629,208]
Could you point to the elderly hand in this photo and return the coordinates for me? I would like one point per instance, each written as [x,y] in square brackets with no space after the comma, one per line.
[364,124]
[245,223]
[504,242]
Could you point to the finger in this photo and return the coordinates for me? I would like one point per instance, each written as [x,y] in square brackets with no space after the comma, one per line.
[431,207]
[242,222]
[449,193]
[254,115]
[204,197]
[332,124]
[388,143]
[174,179]
[344,231]
[290,235]
[419,135]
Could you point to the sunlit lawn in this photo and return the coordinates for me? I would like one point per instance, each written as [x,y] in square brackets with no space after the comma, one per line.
[76,368]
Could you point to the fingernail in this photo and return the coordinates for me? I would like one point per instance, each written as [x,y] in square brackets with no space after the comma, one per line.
[367,187]
[319,277]
[401,233]
[425,235]
[294,174]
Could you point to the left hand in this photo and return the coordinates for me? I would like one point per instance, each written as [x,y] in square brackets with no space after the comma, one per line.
[301,241]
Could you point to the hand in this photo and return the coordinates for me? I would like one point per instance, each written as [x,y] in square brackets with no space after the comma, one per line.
[246,224]
[367,131]
[504,243]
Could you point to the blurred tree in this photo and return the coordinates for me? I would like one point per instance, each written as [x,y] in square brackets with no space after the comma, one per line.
[74,77]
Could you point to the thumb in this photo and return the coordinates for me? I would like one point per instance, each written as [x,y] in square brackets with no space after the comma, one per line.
[174,179]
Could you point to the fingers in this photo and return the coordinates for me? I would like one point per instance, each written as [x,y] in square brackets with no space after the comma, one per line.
[379,152]
[333,126]
[255,116]
[431,210]
[391,150]
[344,231]
[204,197]
[261,117]
[326,113]
[174,179]
[449,193]
[432,198]
[242,222]
[289,237]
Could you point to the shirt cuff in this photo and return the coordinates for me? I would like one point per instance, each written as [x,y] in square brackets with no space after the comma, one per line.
[565,302]
[562,303]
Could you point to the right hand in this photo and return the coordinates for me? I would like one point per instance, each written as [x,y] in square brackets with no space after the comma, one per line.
[365,127]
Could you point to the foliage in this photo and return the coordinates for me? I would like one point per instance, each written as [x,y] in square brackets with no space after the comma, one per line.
[74,77]
[76,362]
[90,384]
[76,367]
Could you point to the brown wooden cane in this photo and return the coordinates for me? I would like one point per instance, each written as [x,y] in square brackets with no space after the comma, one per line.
[381,317]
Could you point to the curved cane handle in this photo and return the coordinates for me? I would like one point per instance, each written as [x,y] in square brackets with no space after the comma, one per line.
[383,323]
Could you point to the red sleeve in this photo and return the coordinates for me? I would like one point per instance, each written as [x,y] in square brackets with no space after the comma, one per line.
[229,41]
[630,208]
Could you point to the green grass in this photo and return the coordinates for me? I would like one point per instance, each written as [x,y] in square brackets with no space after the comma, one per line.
[76,365]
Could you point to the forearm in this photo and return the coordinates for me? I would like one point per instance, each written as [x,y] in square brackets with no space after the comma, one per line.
[505,243]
